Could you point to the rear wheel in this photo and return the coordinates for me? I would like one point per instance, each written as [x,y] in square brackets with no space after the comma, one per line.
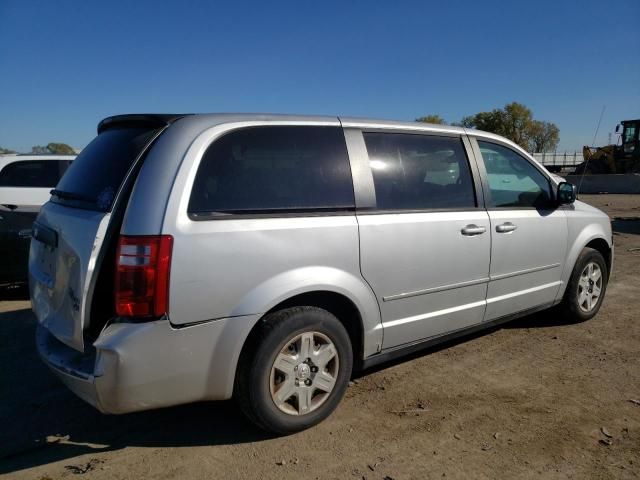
[586,287]
[296,370]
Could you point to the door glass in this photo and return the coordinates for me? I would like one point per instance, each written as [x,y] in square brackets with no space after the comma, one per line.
[416,172]
[513,180]
[62,166]
[30,173]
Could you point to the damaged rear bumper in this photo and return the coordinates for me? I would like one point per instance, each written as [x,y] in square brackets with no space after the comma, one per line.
[140,366]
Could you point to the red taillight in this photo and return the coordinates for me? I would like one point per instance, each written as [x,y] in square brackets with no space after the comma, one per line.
[142,275]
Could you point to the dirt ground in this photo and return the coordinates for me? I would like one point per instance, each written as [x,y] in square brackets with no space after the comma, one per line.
[538,397]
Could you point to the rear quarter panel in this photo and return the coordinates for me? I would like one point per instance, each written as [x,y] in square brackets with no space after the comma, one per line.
[245,266]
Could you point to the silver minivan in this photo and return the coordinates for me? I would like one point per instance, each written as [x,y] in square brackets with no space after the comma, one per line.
[184,258]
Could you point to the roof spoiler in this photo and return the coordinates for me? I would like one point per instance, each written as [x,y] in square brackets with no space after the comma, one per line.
[157,120]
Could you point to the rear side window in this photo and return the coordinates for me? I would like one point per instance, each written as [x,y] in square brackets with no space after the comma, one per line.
[95,176]
[513,180]
[416,172]
[273,169]
[33,173]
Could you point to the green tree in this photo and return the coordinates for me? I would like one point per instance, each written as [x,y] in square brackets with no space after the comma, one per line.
[544,136]
[6,151]
[53,148]
[60,149]
[437,119]
[492,121]
[515,122]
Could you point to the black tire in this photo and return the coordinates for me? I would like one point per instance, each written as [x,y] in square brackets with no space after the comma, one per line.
[253,379]
[570,306]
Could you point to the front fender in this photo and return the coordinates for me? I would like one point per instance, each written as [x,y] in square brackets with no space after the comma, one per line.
[581,238]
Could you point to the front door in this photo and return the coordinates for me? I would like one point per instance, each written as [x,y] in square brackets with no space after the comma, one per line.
[425,244]
[528,233]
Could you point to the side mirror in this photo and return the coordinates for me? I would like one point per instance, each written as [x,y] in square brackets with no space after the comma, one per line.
[566,193]
[618,128]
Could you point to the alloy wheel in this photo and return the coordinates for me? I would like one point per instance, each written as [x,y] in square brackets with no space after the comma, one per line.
[304,373]
[589,287]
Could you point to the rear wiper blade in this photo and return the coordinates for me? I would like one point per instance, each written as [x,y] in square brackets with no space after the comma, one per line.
[72,196]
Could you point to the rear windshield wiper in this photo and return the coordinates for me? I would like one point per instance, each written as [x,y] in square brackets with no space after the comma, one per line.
[72,196]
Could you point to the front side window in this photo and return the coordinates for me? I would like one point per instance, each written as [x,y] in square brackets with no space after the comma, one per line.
[416,172]
[31,173]
[272,169]
[629,134]
[629,139]
[513,180]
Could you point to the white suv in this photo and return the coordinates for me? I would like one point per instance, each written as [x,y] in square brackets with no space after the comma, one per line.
[25,183]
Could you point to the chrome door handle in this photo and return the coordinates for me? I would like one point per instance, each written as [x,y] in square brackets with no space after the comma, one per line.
[472,229]
[506,227]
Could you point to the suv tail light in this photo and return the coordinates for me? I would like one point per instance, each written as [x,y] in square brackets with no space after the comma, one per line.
[143,264]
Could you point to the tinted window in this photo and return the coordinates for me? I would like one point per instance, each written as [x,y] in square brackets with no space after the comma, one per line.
[274,168]
[33,173]
[95,176]
[513,180]
[419,171]
[629,134]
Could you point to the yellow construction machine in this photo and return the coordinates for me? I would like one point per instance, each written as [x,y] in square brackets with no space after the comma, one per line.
[623,158]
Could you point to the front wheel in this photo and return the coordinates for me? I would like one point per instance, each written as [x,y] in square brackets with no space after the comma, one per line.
[296,370]
[587,286]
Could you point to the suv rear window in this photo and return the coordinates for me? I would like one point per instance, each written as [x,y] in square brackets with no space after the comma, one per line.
[94,178]
[273,169]
[33,173]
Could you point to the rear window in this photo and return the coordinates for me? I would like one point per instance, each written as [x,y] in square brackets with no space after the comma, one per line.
[274,169]
[94,178]
[33,173]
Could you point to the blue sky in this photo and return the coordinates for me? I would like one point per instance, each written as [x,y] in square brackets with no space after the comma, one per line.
[64,65]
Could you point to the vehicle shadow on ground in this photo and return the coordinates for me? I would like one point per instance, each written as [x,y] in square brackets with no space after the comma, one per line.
[43,422]
[545,319]
[626,225]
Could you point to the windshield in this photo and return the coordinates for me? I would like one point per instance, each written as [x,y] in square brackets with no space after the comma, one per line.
[94,178]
